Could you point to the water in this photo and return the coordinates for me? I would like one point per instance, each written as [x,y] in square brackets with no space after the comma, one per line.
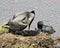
[48,11]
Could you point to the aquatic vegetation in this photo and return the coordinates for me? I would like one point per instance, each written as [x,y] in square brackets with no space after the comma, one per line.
[3,28]
[42,40]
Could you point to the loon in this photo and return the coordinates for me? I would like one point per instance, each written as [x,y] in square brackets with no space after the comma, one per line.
[21,20]
[45,28]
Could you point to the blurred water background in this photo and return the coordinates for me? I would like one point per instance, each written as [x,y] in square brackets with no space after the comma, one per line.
[47,11]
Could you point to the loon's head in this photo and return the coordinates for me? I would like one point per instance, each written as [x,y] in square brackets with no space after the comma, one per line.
[40,24]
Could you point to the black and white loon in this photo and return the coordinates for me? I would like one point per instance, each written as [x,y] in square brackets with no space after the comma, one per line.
[21,20]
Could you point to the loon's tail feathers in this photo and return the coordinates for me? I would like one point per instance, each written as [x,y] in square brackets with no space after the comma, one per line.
[33,12]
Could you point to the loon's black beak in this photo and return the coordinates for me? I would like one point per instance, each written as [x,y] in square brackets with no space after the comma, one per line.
[33,12]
